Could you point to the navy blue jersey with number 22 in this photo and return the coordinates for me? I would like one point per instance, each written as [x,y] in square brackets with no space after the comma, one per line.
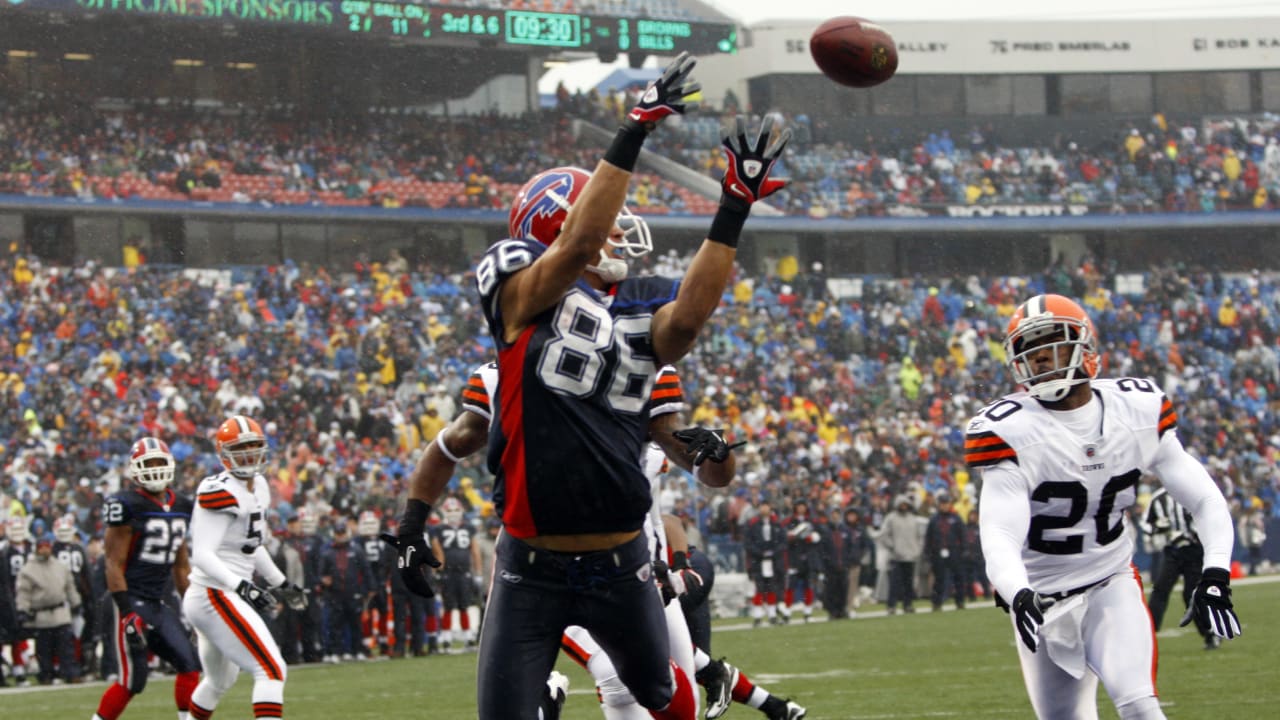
[570,421]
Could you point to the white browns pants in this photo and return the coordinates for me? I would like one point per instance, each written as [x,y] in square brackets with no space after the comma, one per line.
[233,637]
[616,700]
[1119,648]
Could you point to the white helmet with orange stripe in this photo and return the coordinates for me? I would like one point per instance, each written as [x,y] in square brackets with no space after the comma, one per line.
[242,446]
[1060,326]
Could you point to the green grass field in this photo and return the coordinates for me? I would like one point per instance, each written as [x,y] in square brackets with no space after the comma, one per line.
[952,664]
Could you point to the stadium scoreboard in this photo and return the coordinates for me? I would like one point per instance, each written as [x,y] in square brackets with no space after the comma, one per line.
[427,23]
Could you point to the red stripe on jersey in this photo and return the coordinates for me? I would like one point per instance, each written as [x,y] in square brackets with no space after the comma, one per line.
[987,449]
[517,516]
[478,397]
[476,381]
[1168,418]
[661,394]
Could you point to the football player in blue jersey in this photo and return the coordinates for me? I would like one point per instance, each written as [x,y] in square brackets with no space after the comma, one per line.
[145,545]
[579,345]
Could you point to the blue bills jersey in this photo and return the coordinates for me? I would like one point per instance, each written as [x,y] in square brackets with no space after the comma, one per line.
[159,531]
[570,418]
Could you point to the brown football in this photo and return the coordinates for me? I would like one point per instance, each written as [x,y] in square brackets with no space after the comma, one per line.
[854,52]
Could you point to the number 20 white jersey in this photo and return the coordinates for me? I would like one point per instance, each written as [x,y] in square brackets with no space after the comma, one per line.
[223,493]
[1078,487]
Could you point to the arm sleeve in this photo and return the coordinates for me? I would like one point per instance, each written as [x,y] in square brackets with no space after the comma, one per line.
[1189,483]
[267,568]
[1004,518]
[206,535]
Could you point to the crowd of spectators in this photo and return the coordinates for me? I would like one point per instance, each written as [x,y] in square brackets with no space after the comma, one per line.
[351,370]
[66,148]
[849,404]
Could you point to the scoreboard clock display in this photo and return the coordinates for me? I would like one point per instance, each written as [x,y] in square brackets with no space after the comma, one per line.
[425,23]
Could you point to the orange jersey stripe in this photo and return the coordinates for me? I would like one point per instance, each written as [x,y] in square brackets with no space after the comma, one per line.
[244,631]
[480,397]
[1168,418]
[987,449]
[574,651]
[664,394]
[217,500]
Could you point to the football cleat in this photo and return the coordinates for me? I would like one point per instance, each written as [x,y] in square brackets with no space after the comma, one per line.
[791,711]
[720,689]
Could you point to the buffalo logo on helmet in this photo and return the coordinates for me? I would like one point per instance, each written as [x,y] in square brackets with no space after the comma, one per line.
[543,203]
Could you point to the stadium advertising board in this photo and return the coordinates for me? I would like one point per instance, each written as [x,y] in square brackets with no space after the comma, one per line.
[967,48]
[426,23]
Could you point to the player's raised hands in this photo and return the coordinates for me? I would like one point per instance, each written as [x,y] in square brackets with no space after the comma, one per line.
[751,160]
[670,94]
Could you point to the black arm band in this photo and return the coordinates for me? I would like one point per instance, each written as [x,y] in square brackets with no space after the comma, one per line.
[121,598]
[415,517]
[726,227]
[625,149]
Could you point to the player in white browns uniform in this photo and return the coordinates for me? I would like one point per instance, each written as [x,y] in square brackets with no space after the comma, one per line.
[1060,462]
[222,602]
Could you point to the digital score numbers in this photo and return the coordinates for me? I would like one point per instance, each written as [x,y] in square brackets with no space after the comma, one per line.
[426,23]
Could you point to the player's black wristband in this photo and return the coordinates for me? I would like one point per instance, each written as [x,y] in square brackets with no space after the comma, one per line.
[726,227]
[415,517]
[121,599]
[679,560]
[625,149]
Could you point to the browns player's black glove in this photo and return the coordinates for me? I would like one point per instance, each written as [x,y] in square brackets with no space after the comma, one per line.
[1211,606]
[704,444]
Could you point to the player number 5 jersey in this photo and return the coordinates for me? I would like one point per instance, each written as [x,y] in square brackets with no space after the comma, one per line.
[223,493]
[1079,487]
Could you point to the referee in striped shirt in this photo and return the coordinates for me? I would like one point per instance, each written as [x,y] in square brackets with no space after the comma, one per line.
[1183,557]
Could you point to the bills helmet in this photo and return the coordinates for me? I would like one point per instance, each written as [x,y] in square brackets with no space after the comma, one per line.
[368,524]
[1056,323]
[308,523]
[64,528]
[542,204]
[452,511]
[151,464]
[16,528]
[242,446]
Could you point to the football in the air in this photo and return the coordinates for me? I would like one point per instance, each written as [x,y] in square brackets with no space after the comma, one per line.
[854,52]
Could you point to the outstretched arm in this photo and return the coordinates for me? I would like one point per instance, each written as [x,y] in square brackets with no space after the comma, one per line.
[676,325]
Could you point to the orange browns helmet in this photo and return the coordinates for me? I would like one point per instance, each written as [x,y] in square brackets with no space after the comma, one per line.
[1051,321]
[151,464]
[242,446]
[542,204]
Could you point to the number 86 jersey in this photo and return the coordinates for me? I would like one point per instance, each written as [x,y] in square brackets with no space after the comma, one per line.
[159,527]
[570,420]
[1079,477]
